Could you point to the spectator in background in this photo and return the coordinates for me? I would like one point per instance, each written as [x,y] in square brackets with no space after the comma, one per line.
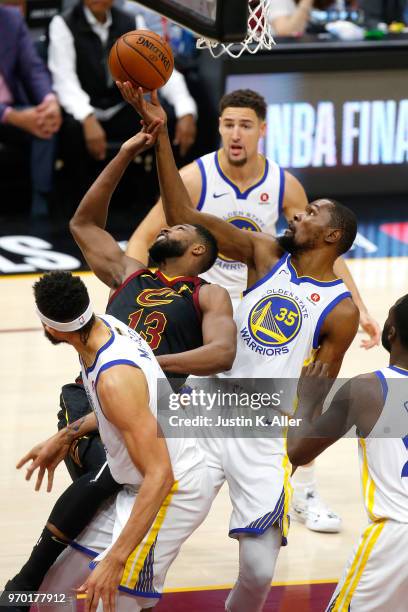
[29,110]
[80,41]
[382,11]
[290,17]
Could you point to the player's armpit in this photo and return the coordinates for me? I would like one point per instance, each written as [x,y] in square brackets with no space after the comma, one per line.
[145,234]
[336,335]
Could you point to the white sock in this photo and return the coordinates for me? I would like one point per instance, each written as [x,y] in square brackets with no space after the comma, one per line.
[304,478]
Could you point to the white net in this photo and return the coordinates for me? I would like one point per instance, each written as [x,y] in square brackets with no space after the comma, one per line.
[259,34]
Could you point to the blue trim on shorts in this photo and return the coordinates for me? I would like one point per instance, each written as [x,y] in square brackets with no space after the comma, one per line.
[84,549]
[270,519]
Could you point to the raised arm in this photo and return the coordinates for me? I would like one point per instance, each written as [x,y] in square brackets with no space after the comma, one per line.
[124,397]
[219,338]
[357,403]
[100,249]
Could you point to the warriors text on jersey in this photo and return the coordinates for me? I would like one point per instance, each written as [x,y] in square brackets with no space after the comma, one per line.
[257,209]
[165,312]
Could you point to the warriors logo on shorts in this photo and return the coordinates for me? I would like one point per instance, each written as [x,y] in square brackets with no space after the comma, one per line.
[274,321]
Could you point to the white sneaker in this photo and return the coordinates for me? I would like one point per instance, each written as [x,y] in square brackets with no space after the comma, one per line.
[309,509]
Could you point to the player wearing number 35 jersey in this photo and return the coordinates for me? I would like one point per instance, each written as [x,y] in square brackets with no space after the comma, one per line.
[376,575]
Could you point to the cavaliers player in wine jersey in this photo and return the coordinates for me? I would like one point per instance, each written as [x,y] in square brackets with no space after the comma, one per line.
[186,321]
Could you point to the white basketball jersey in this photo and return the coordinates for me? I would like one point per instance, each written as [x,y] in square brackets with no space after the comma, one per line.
[279,321]
[383,456]
[125,346]
[257,209]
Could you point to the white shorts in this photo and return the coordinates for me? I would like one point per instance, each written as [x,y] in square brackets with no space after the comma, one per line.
[258,474]
[142,583]
[376,575]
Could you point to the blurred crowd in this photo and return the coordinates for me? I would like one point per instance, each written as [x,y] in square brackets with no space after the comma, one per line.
[62,117]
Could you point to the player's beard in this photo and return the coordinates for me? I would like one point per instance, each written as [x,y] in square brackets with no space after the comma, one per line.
[167,249]
[52,339]
[288,243]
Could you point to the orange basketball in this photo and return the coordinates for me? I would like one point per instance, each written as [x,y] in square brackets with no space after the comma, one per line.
[143,58]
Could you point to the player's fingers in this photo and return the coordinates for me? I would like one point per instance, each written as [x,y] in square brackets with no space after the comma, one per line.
[155,97]
[50,479]
[106,601]
[95,600]
[112,599]
[40,477]
[24,459]
[368,344]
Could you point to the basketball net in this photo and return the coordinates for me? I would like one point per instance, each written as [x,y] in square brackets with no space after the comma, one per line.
[259,34]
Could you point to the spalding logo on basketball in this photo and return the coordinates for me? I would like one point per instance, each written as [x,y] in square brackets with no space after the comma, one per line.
[142,57]
[274,320]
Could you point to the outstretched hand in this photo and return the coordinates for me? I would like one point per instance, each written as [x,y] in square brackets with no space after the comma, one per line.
[371,327]
[45,456]
[144,139]
[149,111]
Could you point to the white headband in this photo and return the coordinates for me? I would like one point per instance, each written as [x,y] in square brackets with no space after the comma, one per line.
[68,326]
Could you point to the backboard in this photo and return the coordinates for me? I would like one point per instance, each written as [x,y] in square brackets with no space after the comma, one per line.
[221,20]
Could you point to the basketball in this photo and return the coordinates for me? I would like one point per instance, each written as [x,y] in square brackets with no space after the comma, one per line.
[142,57]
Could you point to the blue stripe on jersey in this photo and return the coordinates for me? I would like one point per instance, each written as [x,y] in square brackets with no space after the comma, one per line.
[268,275]
[324,314]
[203,183]
[115,362]
[308,279]
[399,370]
[383,381]
[241,195]
[281,190]
[103,348]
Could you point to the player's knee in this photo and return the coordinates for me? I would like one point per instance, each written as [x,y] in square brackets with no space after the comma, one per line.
[257,577]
